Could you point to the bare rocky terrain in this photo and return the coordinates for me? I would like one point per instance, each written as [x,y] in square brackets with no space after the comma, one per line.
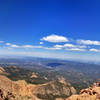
[21,90]
[46,79]
[91,93]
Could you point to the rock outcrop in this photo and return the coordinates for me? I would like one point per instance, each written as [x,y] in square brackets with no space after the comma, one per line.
[19,90]
[91,93]
[54,89]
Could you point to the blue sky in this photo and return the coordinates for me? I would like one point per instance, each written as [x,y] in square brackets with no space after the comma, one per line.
[66,29]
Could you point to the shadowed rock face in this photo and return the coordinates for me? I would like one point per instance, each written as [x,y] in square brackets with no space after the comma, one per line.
[54,89]
[91,93]
[6,95]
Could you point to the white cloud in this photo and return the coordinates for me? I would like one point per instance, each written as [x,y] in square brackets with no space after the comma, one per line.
[8,44]
[12,45]
[41,43]
[88,42]
[82,46]
[94,50]
[55,38]
[76,49]
[58,46]
[70,46]
[22,46]
[15,46]
[30,46]
[27,46]
[53,48]
[65,45]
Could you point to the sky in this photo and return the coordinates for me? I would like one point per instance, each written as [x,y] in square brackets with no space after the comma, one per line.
[65,29]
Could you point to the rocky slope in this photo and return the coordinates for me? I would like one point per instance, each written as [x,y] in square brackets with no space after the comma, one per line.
[54,89]
[2,71]
[21,90]
[91,93]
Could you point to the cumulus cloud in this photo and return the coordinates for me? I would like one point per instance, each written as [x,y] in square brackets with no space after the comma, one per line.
[30,46]
[8,44]
[94,50]
[15,46]
[22,46]
[76,49]
[70,46]
[77,45]
[82,46]
[65,45]
[27,46]
[88,42]
[41,43]
[55,38]
[52,48]
[12,45]
[58,46]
